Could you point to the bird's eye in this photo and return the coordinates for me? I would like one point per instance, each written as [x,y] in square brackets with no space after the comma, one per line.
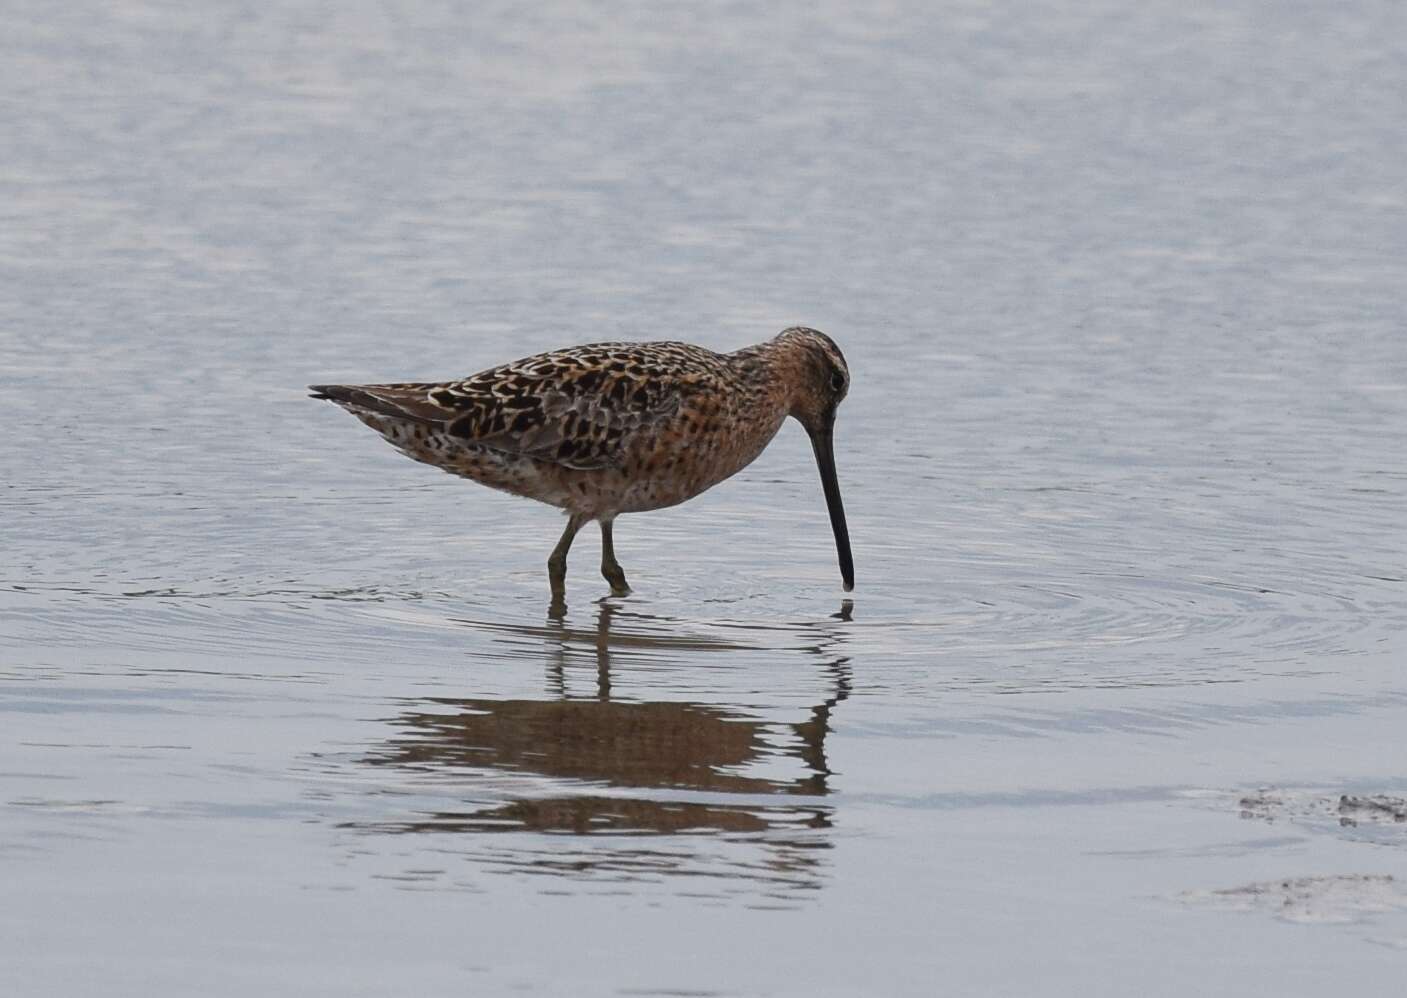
[837,381]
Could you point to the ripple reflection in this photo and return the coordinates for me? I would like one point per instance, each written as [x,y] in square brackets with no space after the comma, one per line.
[583,785]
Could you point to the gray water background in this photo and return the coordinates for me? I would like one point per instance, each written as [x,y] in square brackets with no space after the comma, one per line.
[1121,288]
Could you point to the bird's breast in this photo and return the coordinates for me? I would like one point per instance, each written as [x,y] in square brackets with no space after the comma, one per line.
[693,452]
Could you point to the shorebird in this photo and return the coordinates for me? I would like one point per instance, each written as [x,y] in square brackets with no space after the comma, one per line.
[611,428]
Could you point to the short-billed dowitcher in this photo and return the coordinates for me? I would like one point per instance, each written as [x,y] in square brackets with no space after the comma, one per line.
[613,428]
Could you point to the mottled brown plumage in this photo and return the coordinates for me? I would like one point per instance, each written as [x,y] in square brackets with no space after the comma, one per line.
[612,428]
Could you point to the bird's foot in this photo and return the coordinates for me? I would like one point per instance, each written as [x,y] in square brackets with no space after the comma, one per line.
[615,575]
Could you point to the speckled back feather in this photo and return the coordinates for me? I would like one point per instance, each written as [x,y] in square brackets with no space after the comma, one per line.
[576,407]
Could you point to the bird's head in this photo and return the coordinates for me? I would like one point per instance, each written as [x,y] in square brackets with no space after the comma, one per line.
[819,376]
[819,379]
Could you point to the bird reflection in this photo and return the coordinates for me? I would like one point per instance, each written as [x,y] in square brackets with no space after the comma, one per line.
[654,767]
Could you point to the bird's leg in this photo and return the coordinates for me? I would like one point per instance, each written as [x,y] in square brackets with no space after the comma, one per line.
[557,562]
[610,568]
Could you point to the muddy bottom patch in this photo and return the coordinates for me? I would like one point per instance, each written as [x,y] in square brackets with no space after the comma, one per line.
[1335,899]
[1368,811]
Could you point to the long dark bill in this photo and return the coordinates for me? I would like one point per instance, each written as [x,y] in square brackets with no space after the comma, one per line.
[822,442]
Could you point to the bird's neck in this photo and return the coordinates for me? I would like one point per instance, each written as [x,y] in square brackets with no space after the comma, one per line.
[775,368]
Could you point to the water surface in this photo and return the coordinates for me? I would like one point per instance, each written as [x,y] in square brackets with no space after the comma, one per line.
[1121,291]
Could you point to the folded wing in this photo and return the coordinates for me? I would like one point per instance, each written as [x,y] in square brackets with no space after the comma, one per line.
[578,408]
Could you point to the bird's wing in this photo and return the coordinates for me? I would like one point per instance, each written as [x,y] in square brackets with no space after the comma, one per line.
[578,408]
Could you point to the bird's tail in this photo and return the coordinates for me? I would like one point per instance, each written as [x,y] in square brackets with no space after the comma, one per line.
[407,402]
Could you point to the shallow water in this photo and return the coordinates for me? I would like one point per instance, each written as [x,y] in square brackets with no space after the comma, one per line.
[1121,291]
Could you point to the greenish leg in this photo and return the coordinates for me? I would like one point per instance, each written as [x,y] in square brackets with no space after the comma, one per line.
[557,562]
[610,568]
